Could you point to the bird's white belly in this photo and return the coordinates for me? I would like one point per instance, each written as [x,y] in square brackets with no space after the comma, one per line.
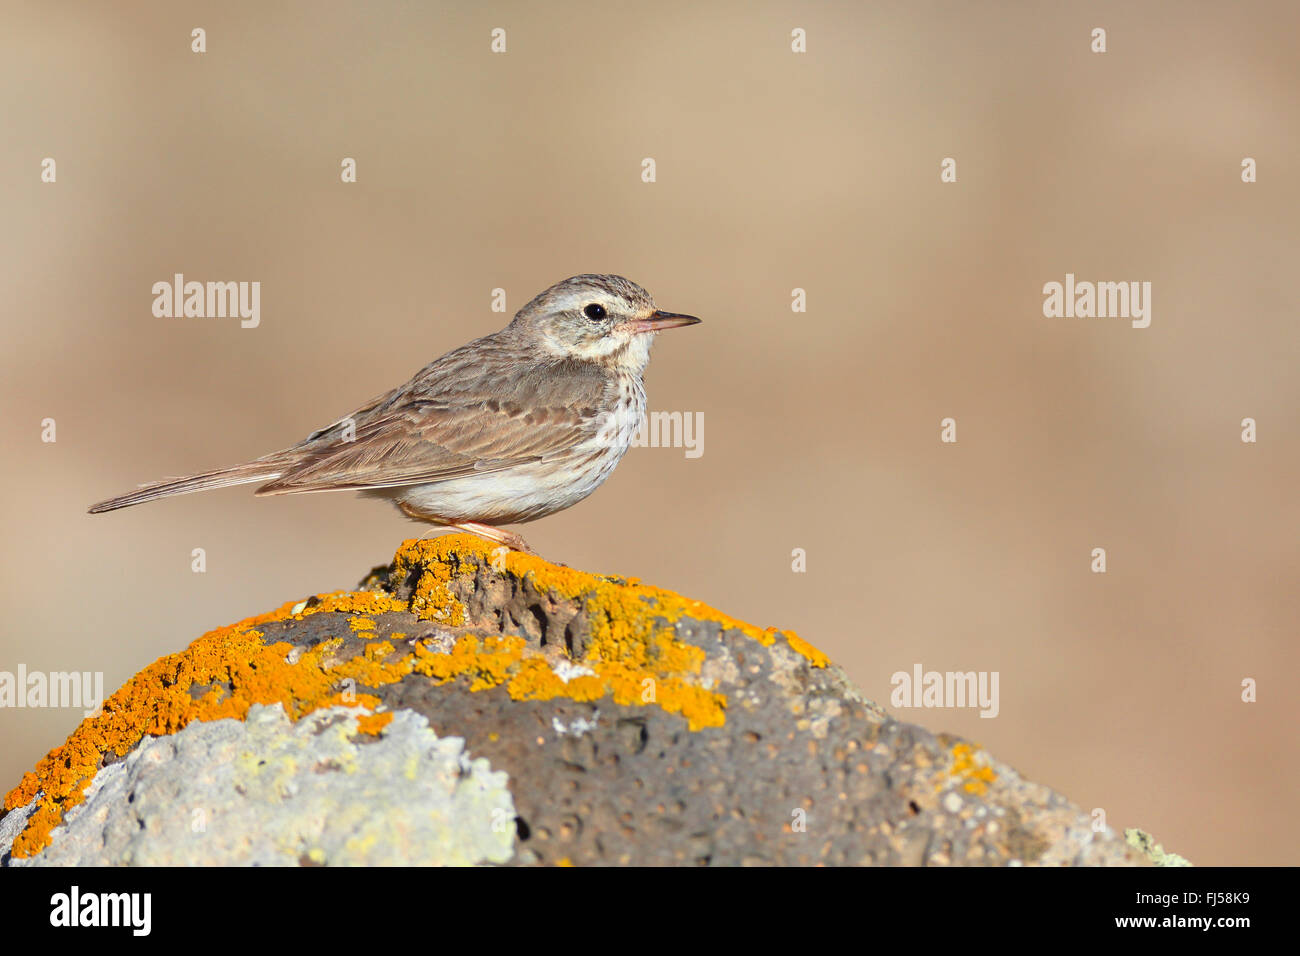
[517,494]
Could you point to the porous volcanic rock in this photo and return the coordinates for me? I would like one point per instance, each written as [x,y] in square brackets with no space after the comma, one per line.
[472,705]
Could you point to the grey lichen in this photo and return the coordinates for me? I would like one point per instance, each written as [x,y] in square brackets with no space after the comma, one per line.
[272,792]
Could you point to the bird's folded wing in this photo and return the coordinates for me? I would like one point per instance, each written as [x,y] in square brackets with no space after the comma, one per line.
[403,440]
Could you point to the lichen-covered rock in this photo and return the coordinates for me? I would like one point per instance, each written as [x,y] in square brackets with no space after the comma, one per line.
[635,726]
[1146,844]
[269,792]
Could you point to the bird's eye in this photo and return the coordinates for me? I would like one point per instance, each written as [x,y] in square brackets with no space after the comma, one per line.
[594,312]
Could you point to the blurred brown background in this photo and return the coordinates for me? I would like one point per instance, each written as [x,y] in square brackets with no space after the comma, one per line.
[775,171]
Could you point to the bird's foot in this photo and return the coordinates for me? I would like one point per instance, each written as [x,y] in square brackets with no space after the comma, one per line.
[497,535]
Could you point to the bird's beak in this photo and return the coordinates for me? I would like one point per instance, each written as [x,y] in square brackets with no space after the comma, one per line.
[659,321]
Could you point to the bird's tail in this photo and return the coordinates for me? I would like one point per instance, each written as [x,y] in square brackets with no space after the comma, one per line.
[239,475]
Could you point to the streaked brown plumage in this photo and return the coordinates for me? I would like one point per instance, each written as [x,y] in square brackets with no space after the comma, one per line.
[511,427]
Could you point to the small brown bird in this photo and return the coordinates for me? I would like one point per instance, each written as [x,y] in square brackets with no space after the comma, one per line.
[514,426]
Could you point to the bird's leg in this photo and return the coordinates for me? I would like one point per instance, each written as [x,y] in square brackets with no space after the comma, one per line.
[508,538]
[496,535]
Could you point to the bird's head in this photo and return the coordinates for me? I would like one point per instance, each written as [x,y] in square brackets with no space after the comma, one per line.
[603,319]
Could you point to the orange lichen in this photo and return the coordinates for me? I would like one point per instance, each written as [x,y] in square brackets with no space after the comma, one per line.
[797,643]
[431,598]
[374,724]
[967,766]
[632,654]
[366,603]
[486,661]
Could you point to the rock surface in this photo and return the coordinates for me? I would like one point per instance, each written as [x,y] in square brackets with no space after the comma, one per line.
[469,705]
